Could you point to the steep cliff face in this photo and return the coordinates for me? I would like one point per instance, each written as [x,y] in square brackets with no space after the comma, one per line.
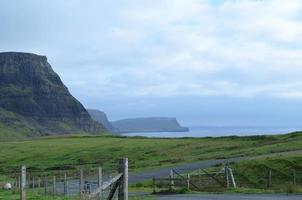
[30,88]
[101,117]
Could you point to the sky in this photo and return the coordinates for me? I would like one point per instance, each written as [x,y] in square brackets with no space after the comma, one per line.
[206,62]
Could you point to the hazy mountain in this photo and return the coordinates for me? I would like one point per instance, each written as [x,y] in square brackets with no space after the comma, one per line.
[34,101]
[149,124]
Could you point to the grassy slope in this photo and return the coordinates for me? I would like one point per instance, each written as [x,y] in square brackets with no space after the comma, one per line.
[254,173]
[68,152]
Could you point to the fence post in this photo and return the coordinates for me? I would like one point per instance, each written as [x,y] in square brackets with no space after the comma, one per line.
[81,186]
[23,183]
[188,182]
[19,182]
[171,179]
[28,180]
[153,183]
[33,183]
[226,172]
[100,182]
[123,183]
[39,184]
[232,177]
[54,185]
[45,185]
[16,183]
[294,178]
[269,179]
[65,185]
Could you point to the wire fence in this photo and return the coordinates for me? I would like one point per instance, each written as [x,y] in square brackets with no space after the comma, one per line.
[226,177]
[80,182]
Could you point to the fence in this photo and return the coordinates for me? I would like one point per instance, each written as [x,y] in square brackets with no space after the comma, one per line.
[228,177]
[87,184]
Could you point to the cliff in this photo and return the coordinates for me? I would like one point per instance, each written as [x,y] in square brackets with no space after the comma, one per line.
[101,117]
[33,98]
[150,124]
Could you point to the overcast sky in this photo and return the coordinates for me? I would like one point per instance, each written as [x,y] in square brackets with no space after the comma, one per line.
[206,62]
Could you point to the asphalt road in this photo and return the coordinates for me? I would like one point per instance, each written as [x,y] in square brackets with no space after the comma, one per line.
[164,172]
[230,197]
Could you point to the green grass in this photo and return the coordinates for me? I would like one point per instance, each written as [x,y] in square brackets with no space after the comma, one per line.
[254,173]
[282,153]
[65,153]
[11,195]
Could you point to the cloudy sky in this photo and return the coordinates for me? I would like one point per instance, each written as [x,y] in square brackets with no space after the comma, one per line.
[206,62]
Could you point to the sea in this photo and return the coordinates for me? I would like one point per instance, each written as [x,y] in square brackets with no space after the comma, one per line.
[218,131]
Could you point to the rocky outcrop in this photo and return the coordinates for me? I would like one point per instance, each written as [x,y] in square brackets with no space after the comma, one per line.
[149,124]
[30,88]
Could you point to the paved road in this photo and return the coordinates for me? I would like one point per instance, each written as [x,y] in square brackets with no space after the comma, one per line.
[164,172]
[230,197]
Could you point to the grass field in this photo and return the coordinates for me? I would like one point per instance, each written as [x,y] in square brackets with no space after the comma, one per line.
[280,153]
[61,153]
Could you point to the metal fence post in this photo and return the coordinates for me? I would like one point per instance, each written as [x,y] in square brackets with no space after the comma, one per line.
[100,182]
[294,178]
[154,186]
[54,185]
[39,183]
[33,183]
[81,186]
[45,185]
[171,179]
[23,183]
[65,185]
[226,172]
[269,179]
[188,182]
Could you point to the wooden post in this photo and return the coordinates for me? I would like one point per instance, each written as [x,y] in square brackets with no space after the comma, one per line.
[269,179]
[100,182]
[226,172]
[188,182]
[54,185]
[123,183]
[65,185]
[81,186]
[171,180]
[154,186]
[23,183]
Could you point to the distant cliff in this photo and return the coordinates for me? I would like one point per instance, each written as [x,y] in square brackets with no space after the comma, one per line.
[34,101]
[150,124]
[101,117]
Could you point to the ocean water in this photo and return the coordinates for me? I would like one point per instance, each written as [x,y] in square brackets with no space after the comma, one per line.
[217,131]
